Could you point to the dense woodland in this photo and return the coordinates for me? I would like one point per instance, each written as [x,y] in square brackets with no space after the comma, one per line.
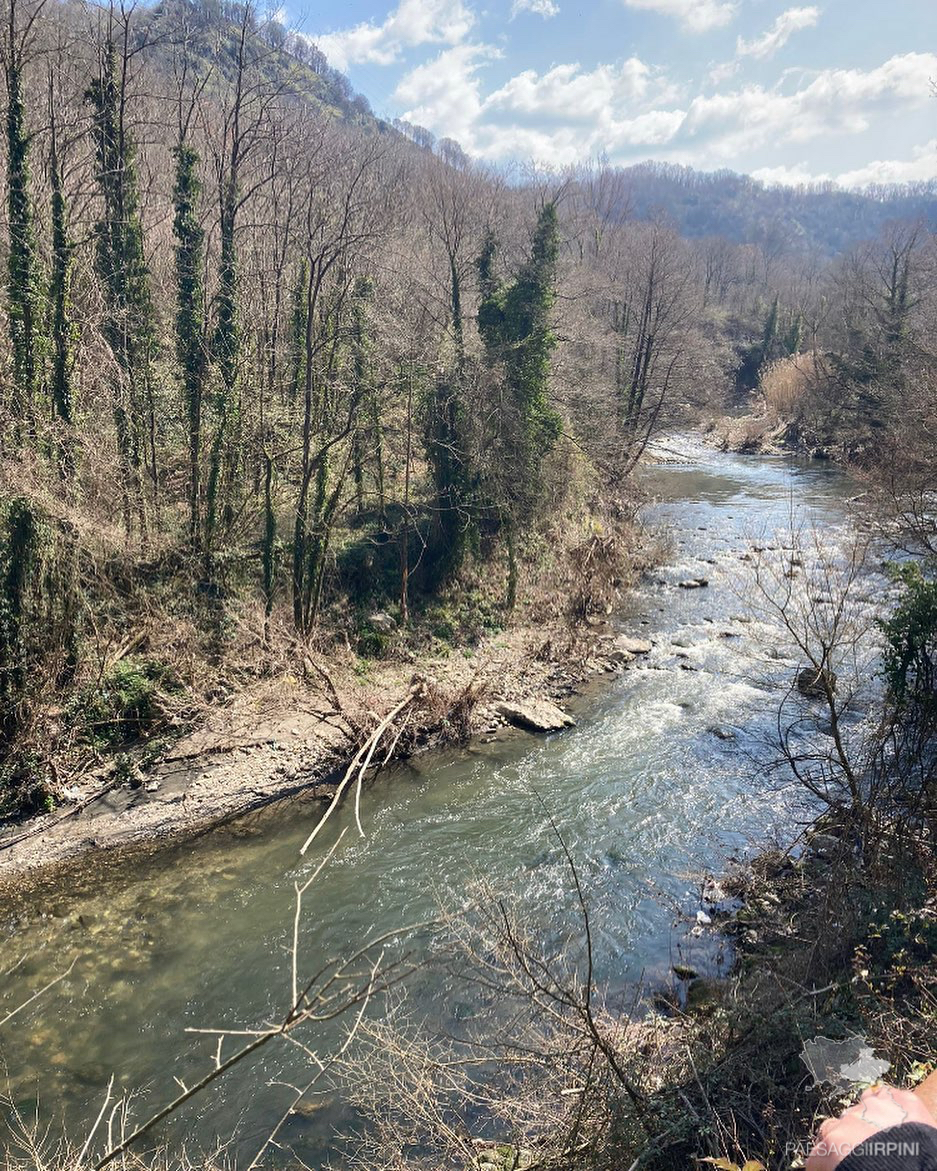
[272,364]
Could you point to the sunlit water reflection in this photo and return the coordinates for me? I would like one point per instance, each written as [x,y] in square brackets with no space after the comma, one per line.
[648,798]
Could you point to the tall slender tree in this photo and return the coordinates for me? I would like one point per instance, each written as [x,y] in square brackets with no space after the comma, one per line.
[128,325]
[62,328]
[24,280]
[190,314]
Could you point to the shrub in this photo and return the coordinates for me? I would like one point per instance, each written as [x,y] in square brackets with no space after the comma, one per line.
[125,703]
[38,612]
[371,644]
[910,659]
[784,384]
[24,787]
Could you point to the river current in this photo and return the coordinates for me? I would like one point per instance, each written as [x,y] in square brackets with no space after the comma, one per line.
[662,782]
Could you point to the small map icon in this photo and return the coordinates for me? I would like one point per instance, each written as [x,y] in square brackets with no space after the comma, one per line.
[843,1063]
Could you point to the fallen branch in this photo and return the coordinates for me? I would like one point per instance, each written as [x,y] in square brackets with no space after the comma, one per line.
[362,759]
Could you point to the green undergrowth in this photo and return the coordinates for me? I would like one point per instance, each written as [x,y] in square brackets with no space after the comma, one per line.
[826,947]
[126,704]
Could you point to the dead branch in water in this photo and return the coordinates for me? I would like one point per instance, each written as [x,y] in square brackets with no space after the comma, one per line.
[333,991]
[35,996]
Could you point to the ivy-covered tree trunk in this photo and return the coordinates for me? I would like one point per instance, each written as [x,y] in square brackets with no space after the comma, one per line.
[122,268]
[190,317]
[446,446]
[366,438]
[514,323]
[21,551]
[223,467]
[63,333]
[23,275]
[301,348]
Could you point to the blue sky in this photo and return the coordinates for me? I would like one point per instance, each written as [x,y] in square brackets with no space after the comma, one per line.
[837,89]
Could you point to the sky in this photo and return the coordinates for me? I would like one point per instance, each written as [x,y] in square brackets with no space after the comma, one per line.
[838,90]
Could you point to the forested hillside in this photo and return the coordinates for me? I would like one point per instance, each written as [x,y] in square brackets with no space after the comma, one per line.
[819,220]
[273,365]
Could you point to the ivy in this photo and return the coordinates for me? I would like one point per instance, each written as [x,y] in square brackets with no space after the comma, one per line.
[910,659]
[24,303]
[190,313]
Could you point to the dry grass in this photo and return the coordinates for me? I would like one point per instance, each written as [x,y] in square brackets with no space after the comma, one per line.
[785,383]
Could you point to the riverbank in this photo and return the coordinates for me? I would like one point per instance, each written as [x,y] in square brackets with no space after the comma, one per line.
[296,733]
[654,789]
[832,989]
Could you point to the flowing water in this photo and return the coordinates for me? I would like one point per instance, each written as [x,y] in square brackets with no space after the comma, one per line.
[658,785]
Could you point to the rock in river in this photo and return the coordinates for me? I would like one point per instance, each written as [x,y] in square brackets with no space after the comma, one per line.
[815,684]
[536,715]
[634,646]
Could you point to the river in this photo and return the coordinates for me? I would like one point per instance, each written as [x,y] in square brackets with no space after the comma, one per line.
[658,785]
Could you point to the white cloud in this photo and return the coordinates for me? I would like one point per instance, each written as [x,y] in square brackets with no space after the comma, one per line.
[445,94]
[792,21]
[720,73]
[412,22]
[697,16]
[544,8]
[835,101]
[631,110]
[565,92]
[920,168]
[561,116]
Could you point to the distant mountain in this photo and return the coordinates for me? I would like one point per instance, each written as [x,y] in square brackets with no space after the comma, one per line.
[288,60]
[822,219]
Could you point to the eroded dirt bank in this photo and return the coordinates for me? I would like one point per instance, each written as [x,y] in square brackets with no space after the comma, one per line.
[296,734]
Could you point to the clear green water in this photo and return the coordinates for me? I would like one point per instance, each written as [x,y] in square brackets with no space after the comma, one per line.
[646,796]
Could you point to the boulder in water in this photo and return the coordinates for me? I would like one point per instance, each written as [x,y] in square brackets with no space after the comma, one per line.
[816,684]
[634,646]
[536,715]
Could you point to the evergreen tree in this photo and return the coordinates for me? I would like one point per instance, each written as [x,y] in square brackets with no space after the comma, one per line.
[794,337]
